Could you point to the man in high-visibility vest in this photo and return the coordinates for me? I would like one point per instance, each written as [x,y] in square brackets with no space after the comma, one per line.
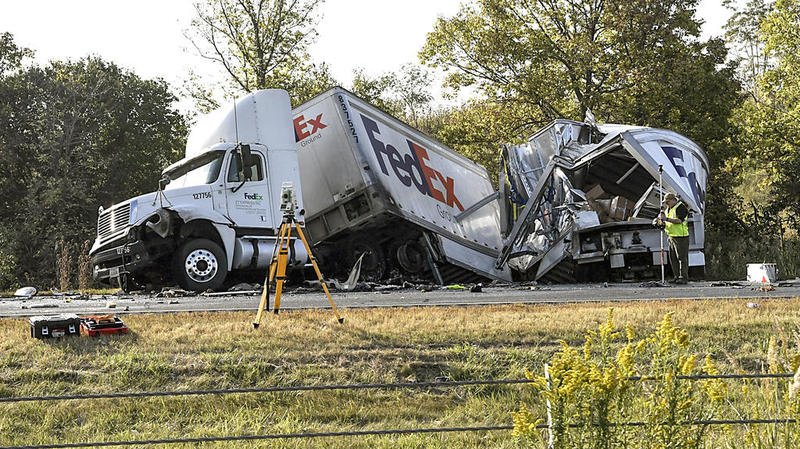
[677,228]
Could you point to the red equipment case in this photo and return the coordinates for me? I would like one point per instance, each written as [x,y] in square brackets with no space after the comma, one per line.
[95,325]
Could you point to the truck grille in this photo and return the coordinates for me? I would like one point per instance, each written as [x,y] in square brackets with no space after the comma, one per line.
[112,220]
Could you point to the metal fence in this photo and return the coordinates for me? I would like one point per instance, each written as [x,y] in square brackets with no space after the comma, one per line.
[354,386]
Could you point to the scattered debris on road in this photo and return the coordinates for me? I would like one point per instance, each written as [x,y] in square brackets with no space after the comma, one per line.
[650,284]
[25,292]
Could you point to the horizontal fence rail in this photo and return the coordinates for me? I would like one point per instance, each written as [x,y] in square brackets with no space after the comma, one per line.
[276,436]
[355,386]
[275,389]
[362,433]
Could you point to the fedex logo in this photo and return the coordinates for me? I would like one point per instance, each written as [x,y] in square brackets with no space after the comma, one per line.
[412,168]
[675,156]
[304,128]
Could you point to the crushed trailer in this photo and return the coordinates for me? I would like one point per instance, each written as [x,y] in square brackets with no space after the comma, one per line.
[583,198]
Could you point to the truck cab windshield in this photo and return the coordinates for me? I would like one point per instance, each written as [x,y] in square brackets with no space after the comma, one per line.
[203,169]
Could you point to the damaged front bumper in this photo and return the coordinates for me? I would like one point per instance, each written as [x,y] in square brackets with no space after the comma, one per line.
[124,259]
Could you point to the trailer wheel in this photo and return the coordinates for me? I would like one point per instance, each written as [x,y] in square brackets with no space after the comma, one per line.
[373,266]
[200,265]
[411,257]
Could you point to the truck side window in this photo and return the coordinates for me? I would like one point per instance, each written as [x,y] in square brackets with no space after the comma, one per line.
[257,169]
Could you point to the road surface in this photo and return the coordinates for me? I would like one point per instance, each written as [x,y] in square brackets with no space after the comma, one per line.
[509,294]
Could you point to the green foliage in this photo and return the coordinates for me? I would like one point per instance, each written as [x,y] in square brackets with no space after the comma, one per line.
[11,56]
[405,94]
[590,391]
[769,162]
[74,136]
[258,45]
[742,31]
[477,129]
[632,62]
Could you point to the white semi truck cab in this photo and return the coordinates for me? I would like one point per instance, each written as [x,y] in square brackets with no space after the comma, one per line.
[216,211]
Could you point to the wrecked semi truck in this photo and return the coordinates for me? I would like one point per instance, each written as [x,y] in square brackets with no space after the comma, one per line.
[586,198]
[366,183]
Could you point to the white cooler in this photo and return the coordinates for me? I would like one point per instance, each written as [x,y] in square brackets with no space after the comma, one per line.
[762,273]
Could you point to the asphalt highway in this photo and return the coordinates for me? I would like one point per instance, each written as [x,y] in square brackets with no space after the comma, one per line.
[410,297]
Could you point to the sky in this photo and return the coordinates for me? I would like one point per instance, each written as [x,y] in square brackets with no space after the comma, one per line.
[147,36]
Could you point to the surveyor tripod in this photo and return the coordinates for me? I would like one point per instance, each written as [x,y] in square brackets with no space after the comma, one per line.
[277,269]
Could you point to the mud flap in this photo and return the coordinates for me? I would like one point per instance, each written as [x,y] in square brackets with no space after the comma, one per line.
[551,258]
[483,264]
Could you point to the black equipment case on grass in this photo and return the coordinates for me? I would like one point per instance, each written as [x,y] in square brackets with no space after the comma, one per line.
[52,326]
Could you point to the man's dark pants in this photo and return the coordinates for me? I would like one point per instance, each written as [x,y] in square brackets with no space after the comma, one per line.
[679,256]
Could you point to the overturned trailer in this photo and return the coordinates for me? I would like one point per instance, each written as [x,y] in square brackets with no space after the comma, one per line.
[584,197]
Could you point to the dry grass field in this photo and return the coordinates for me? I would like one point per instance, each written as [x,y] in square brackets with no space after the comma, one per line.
[221,350]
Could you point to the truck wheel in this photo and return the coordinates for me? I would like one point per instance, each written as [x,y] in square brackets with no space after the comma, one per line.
[373,265]
[200,265]
[411,257]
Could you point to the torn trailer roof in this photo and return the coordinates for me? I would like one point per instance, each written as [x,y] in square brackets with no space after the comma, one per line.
[585,197]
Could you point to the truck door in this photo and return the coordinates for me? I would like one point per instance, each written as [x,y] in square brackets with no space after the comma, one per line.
[248,202]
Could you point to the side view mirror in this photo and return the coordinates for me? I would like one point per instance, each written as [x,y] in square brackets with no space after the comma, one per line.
[245,161]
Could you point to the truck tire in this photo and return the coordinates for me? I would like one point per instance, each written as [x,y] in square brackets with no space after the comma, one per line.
[411,257]
[199,265]
[373,266]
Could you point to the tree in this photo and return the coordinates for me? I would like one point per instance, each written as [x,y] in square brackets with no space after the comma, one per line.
[625,61]
[11,181]
[770,120]
[743,33]
[259,44]
[11,56]
[405,94]
[76,135]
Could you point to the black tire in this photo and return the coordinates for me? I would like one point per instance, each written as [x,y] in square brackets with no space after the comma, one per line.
[410,257]
[373,266]
[199,265]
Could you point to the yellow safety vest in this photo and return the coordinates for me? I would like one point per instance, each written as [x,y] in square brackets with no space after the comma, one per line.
[676,229]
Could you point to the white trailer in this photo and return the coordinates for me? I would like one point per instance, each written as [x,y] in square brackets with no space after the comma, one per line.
[374,184]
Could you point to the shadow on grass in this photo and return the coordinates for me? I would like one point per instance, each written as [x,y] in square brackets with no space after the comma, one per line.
[84,344]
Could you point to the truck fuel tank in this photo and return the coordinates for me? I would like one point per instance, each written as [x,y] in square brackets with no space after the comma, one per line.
[251,252]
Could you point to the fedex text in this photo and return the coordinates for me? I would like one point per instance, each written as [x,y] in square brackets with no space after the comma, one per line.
[412,167]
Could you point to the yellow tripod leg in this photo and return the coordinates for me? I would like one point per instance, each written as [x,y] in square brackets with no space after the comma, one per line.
[268,280]
[283,260]
[319,274]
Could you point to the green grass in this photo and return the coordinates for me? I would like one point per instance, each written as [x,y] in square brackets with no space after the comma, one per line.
[221,350]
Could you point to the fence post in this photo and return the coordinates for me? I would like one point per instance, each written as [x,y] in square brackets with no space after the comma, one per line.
[550,437]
